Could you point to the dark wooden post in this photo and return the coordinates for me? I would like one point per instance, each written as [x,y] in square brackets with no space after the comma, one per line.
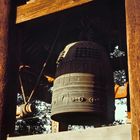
[8,66]
[133,44]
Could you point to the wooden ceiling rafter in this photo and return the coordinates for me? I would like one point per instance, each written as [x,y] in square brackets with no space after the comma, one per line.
[41,8]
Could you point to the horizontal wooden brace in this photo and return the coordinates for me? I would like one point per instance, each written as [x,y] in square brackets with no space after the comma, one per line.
[40,8]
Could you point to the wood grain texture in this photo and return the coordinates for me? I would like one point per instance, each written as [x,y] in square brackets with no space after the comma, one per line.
[4,12]
[133,44]
[44,7]
[7,67]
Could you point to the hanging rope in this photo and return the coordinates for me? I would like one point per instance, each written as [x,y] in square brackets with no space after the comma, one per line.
[22,89]
[21,83]
[45,63]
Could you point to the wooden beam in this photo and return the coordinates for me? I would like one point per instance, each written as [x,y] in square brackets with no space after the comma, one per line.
[44,7]
[133,44]
[7,67]
[119,132]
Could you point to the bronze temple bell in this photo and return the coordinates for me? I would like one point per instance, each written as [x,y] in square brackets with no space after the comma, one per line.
[83,88]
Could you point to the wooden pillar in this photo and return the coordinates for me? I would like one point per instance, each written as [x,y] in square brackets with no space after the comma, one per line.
[8,66]
[133,44]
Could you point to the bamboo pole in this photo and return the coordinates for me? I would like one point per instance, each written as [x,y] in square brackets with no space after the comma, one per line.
[133,44]
[8,66]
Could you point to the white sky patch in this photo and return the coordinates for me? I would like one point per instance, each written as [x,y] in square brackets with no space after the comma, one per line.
[121,110]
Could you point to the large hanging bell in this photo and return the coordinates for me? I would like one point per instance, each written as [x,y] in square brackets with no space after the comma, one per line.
[83,88]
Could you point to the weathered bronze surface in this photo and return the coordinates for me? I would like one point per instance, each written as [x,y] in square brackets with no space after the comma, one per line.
[83,88]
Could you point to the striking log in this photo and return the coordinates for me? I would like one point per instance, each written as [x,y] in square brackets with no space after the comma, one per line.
[8,66]
[133,44]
